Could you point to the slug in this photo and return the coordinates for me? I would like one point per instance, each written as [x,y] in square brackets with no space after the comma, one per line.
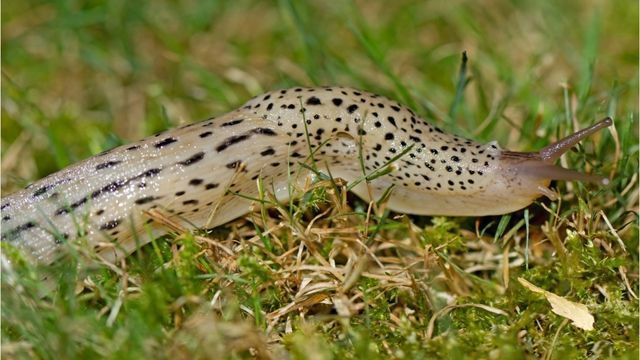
[194,173]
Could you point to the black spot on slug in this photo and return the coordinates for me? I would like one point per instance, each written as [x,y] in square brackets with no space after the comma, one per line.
[107,164]
[352,108]
[234,164]
[313,101]
[193,159]
[60,238]
[13,234]
[79,203]
[66,209]
[392,121]
[336,101]
[264,131]
[145,200]
[195,182]
[231,141]
[148,173]
[110,224]
[205,134]
[242,137]
[165,142]
[26,226]
[111,187]
[232,122]
[268,151]
[42,190]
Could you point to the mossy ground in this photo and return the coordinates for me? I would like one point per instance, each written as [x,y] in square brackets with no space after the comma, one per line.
[328,276]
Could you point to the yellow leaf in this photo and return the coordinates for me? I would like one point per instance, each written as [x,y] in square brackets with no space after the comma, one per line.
[576,312]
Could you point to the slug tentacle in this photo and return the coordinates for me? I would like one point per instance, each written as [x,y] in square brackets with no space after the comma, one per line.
[552,152]
[543,170]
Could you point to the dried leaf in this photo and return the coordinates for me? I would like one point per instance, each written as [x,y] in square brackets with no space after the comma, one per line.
[576,312]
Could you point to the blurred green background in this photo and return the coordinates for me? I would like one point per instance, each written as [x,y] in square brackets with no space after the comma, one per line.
[79,77]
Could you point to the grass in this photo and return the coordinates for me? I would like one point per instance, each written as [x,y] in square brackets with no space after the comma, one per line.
[327,276]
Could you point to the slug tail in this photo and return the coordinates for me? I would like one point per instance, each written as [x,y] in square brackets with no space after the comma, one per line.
[554,151]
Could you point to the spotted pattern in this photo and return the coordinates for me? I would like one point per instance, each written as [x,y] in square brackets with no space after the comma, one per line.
[187,172]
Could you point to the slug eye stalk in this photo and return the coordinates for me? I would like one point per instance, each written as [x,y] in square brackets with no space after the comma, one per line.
[555,150]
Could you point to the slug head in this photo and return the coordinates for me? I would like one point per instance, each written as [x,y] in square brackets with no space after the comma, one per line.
[529,174]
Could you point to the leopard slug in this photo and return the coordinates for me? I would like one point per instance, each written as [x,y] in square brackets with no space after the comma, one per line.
[188,171]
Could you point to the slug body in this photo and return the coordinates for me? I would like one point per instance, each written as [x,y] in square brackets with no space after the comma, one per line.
[191,173]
